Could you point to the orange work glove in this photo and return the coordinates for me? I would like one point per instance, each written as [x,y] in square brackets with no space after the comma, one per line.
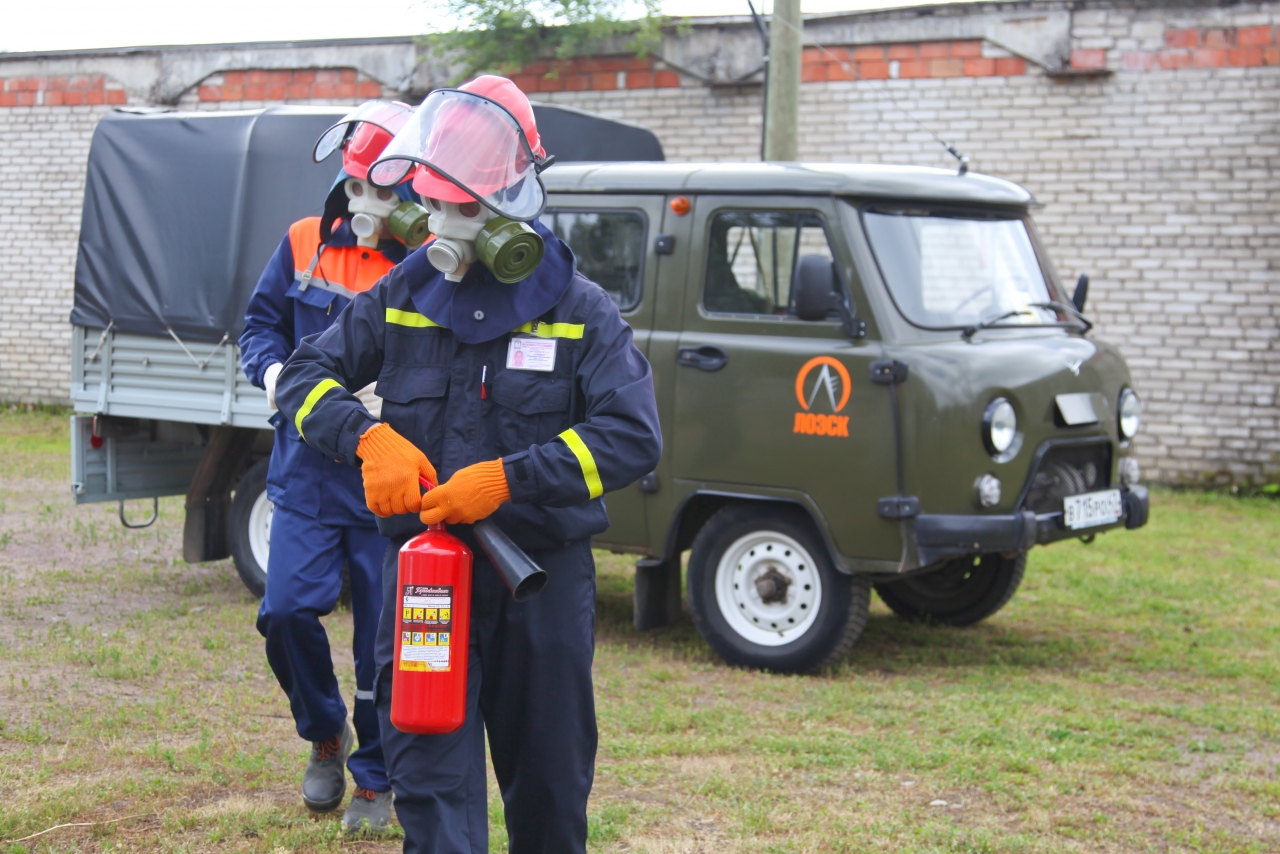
[470,495]
[391,465]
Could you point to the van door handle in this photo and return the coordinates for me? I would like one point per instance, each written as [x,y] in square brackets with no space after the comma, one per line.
[708,357]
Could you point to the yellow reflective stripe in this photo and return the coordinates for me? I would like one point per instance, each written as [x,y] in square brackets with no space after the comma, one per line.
[409,318]
[554,330]
[313,397]
[590,473]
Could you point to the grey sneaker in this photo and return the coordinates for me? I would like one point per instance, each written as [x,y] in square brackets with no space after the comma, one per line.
[370,811]
[325,780]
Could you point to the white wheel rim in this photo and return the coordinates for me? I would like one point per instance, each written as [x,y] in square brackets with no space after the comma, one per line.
[260,529]
[768,589]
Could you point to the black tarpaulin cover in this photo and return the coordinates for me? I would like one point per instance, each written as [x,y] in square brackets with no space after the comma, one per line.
[182,211]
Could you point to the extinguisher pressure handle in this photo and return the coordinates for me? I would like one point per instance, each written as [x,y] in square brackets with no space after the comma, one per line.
[524,578]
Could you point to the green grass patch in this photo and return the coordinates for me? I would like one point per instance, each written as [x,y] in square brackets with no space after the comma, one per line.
[1125,700]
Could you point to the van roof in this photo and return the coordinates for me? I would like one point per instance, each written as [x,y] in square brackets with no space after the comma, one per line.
[866,180]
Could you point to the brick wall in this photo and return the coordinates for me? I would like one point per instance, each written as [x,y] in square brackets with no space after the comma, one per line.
[1153,148]
[239,90]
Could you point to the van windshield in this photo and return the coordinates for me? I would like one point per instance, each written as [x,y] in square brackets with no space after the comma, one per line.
[949,271]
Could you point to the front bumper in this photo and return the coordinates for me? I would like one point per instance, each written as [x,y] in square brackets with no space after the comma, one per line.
[940,537]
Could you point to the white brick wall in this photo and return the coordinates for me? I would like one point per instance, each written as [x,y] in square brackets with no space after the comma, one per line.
[1160,184]
[43,151]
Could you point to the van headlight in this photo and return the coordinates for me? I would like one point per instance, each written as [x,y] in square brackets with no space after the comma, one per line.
[1130,413]
[999,426]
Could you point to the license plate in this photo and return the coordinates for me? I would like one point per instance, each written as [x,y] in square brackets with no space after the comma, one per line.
[1092,508]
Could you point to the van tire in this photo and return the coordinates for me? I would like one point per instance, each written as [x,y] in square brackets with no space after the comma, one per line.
[250,491]
[839,614]
[964,591]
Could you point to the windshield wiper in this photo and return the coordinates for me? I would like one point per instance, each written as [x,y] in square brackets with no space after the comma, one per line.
[1069,309]
[969,331]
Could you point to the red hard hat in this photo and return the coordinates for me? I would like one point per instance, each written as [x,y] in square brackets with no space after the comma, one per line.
[502,91]
[364,147]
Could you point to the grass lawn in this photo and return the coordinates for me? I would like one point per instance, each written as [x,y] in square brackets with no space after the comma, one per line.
[1126,700]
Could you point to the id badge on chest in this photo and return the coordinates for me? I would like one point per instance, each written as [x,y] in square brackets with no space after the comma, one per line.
[531,354]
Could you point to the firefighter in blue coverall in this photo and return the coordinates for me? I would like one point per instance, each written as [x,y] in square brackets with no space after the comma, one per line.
[531,400]
[321,520]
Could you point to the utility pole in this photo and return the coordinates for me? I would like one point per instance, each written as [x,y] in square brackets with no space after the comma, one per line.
[782,110]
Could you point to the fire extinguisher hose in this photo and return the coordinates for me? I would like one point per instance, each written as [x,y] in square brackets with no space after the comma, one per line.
[524,578]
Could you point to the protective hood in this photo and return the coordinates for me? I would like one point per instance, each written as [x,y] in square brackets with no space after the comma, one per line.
[470,147]
[336,204]
[504,307]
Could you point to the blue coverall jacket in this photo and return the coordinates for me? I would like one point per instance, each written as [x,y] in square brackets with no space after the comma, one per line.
[438,351]
[279,316]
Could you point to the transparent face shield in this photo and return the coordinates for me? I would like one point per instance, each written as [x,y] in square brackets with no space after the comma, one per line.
[473,143]
[388,115]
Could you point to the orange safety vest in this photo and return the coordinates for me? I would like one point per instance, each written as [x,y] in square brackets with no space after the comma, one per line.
[344,270]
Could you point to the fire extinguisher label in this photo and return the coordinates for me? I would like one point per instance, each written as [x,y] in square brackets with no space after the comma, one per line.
[426,627]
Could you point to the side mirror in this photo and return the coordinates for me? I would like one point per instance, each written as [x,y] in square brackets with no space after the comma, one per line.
[814,289]
[1081,292]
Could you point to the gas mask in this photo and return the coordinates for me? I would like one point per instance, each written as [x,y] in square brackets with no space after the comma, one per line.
[467,232]
[370,208]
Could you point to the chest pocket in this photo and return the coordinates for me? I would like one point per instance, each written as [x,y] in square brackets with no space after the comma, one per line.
[533,408]
[413,403]
[313,296]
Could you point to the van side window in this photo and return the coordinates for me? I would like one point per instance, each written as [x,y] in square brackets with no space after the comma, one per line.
[609,246]
[752,258]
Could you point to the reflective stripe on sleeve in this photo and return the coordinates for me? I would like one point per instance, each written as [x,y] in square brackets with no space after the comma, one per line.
[589,471]
[313,397]
[409,318]
[553,330]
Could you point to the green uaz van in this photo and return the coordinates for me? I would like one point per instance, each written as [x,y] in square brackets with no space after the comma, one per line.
[867,376]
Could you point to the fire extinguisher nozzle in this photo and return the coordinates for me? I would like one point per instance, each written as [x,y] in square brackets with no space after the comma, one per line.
[524,578]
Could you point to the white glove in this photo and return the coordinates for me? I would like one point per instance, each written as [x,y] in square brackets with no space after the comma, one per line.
[371,401]
[269,377]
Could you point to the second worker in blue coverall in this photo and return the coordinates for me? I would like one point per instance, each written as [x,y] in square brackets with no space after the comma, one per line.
[536,448]
[321,521]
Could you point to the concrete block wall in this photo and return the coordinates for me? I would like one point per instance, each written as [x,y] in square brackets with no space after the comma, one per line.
[1153,147]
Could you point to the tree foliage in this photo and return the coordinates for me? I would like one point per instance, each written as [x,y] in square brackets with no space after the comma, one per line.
[503,36]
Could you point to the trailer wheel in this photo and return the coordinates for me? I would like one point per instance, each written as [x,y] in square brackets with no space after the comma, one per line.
[964,591]
[251,513]
[764,593]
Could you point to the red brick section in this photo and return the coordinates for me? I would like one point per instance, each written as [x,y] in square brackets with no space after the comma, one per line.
[81,91]
[925,59]
[1206,48]
[873,62]
[287,85]
[596,73]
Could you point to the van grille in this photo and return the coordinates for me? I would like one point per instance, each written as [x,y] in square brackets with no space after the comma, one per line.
[1068,470]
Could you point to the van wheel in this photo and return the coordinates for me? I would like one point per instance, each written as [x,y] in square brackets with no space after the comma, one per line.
[251,513]
[764,593]
[964,591]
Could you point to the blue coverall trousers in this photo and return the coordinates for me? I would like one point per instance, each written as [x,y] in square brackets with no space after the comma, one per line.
[529,685]
[304,578]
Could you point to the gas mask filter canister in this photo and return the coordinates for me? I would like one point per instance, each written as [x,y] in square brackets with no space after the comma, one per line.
[468,232]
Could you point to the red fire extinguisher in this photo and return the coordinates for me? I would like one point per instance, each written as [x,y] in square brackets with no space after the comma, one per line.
[433,624]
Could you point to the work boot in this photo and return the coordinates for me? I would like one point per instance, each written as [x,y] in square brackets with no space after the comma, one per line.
[369,811]
[325,780]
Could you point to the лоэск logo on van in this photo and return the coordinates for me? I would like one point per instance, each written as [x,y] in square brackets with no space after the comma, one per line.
[829,382]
